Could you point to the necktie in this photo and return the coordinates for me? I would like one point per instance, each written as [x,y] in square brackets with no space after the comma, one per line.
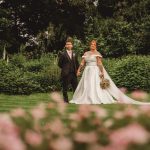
[70,54]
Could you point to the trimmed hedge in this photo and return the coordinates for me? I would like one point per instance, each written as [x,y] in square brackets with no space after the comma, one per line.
[132,72]
[29,76]
[43,75]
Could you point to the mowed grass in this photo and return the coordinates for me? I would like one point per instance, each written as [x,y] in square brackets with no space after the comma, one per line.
[9,102]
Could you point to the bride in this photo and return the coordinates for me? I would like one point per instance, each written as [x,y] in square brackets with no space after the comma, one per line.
[89,90]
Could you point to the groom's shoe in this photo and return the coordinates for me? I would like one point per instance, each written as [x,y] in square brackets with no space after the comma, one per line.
[66,101]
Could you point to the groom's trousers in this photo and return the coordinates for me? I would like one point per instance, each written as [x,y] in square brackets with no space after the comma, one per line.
[71,78]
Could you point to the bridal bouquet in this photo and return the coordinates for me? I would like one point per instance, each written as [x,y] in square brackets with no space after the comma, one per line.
[105,83]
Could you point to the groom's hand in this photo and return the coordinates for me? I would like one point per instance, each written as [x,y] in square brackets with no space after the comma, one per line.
[78,73]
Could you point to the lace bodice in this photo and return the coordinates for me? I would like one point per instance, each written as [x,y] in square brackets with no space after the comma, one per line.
[90,58]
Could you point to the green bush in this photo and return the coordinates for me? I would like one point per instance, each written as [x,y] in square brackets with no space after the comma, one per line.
[15,81]
[18,60]
[26,77]
[43,75]
[131,72]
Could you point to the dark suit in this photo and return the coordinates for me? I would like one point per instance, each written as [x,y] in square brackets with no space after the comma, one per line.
[68,71]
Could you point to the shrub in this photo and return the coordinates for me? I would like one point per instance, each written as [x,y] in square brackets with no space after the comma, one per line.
[131,72]
[43,75]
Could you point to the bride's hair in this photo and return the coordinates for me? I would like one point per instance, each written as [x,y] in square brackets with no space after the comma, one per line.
[94,42]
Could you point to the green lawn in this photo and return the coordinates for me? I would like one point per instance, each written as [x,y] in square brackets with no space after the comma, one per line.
[9,102]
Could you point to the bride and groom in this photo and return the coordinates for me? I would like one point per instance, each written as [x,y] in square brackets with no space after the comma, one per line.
[88,90]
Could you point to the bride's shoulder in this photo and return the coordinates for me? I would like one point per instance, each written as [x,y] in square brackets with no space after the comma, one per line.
[97,53]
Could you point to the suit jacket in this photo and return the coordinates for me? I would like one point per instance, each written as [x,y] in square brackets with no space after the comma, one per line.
[66,64]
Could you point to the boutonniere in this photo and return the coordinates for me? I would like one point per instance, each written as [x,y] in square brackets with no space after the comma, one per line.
[73,54]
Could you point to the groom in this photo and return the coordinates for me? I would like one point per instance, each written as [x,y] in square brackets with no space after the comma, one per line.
[68,62]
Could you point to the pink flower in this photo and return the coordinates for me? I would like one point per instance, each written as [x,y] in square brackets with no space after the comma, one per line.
[62,143]
[139,95]
[50,105]
[56,97]
[82,137]
[7,126]
[9,135]
[38,112]
[19,112]
[61,107]
[10,142]
[133,133]
[57,127]
[99,111]
[145,109]
[108,123]
[84,111]
[131,112]
[33,138]
[118,114]
[75,117]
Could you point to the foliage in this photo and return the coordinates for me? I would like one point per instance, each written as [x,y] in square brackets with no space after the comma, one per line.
[23,76]
[132,72]
[42,25]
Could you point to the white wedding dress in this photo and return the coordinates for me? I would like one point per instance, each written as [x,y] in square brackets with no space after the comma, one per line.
[89,91]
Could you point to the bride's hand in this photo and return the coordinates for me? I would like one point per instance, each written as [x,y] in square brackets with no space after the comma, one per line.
[101,75]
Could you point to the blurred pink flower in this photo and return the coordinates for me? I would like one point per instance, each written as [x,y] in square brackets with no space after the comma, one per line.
[7,126]
[61,107]
[108,123]
[85,137]
[9,135]
[133,133]
[10,142]
[131,112]
[57,127]
[145,109]
[50,105]
[56,96]
[139,95]
[38,112]
[19,112]
[61,143]
[33,138]
[118,114]
[75,117]
[99,111]
[84,111]
[73,125]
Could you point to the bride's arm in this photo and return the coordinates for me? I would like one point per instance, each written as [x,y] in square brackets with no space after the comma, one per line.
[82,64]
[100,65]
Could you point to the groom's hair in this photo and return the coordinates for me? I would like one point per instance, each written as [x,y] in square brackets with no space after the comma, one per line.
[93,41]
[69,39]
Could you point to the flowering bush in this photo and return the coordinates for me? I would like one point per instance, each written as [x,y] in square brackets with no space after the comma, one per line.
[58,126]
